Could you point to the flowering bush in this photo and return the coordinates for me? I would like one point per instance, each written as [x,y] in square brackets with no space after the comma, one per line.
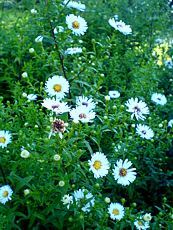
[86,115]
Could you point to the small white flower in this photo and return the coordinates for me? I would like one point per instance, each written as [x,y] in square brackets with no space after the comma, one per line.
[76,5]
[83,114]
[5,138]
[24,95]
[107,98]
[137,108]
[147,217]
[74,50]
[159,98]
[33,11]
[58,29]
[116,211]
[170,123]
[24,74]
[5,193]
[56,157]
[114,94]
[144,131]
[25,154]
[32,97]
[67,200]
[122,174]
[84,196]
[39,39]
[57,86]
[86,102]
[77,24]
[56,106]
[141,224]
[120,26]
[99,165]
[26,192]
[61,183]
[169,64]
[31,50]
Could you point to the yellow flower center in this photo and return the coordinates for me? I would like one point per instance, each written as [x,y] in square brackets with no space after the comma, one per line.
[140,223]
[115,211]
[57,87]
[123,172]
[97,165]
[5,194]
[75,25]
[2,140]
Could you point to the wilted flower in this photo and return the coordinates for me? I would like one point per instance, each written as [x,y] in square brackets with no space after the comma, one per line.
[67,200]
[83,195]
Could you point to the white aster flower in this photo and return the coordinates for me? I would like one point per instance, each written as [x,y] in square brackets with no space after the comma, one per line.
[74,50]
[114,94]
[82,196]
[86,102]
[5,138]
[67,200]
[122,174]
[141,224]
[170,123]
[76,5]
[147,217]
[116,211]
[120,26]
[159,98]
[57,86]
[137,108]
[99,165]
[77,24]
[56,106]
[32,97]
[5,193]
[39,39]
[145,131]
[83,114]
